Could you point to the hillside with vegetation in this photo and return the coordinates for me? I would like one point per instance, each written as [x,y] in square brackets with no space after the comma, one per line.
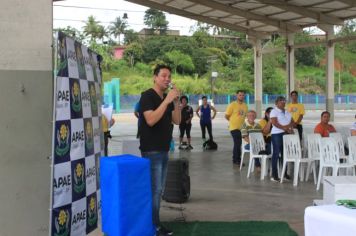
[209,49]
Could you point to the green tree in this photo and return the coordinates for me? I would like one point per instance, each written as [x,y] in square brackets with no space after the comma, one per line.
[156,20]
[180,62]
[106,52]
[130,36]
[309,56]
[93,29]
[118,27]
[133,53]
[72,32]
[102,33]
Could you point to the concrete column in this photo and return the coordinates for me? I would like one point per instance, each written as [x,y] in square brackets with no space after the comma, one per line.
[257,46]
[330,94]
[330,48]
[26,85]
[290,64]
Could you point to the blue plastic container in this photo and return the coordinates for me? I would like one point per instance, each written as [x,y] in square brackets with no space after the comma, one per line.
[126,196]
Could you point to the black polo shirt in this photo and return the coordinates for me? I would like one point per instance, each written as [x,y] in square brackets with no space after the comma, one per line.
[159,136]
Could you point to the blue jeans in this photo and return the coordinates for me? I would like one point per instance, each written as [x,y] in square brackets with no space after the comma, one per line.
[277,143]
[236,153]
[158,162]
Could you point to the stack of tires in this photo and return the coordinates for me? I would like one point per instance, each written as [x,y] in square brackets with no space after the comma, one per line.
[177,189]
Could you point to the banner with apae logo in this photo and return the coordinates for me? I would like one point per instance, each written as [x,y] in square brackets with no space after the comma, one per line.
[77,140]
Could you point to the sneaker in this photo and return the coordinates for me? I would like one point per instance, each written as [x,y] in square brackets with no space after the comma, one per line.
[190,146]
[275,179]
[287,177]
[162,231]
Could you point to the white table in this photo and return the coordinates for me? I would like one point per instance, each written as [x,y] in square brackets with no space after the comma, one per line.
[329,220]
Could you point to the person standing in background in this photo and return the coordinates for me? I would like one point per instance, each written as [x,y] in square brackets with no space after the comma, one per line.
[282,124]
[137,114]
[236,113]
[297,111]
[186,121]
[204,113]
[106,124]
[159,110]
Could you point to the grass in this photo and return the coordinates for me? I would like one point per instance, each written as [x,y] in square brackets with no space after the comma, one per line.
[242,228]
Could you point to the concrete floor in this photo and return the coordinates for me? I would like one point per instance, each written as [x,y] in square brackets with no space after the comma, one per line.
[220,191]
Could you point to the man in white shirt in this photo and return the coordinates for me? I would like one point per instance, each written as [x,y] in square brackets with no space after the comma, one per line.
[282,123]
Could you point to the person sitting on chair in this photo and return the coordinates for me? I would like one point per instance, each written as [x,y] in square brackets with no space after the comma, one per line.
[353,128]
[324,128]
[266,126]
[248,127]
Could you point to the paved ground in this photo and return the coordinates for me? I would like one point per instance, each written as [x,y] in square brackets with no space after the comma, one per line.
[220,191]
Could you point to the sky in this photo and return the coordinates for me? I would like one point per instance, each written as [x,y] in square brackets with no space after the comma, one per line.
[75,16]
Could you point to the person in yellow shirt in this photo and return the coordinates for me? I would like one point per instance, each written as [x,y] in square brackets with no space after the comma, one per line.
[266,126]
[236,114]
[106,126]
[297,111]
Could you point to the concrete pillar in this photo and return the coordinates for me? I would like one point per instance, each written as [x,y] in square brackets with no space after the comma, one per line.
[258,76]
[26,88]
[330,94]
[290,64]
[330,48]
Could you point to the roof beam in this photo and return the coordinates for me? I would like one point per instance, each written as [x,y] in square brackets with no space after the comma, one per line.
[282,26]
[311,44]
[198,17]
[351,3]
[320,17]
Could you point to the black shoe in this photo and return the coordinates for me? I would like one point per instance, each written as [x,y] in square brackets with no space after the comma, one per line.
[180,147]
[190,146]
[162,231]
[287,177]
[275,179]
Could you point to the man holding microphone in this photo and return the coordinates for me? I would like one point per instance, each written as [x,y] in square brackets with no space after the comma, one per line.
[159,110]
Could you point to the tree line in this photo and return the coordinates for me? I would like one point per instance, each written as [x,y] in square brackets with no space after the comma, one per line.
[209,49]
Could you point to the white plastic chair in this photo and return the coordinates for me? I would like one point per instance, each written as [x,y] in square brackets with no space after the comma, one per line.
[292,152]
[330,157]
[340,143]
[352,152]
[257,144]
[243,152]
[313,143]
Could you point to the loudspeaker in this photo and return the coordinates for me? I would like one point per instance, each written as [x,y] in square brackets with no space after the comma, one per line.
[177,188]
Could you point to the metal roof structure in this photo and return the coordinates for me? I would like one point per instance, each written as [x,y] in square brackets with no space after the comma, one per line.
[259,17]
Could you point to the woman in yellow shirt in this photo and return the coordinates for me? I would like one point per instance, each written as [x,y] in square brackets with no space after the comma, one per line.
[266,126]
[106,125]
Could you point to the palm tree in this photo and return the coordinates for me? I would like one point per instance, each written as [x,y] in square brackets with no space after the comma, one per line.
[118,27]
[92,28]
[101,32]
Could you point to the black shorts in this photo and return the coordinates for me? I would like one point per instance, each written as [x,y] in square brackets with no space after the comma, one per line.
[185,128]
